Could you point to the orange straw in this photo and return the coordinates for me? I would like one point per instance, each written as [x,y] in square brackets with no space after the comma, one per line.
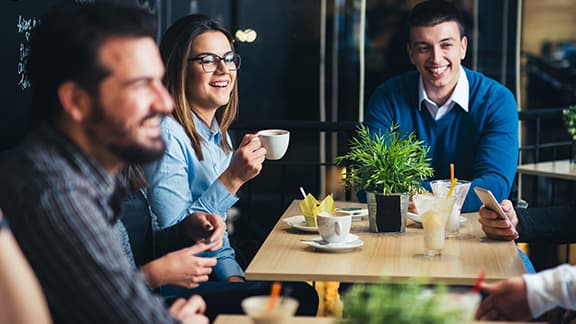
[452,181]
[476,288]
[274,293]
[452,186]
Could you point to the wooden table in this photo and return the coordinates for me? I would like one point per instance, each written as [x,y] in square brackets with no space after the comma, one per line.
[561,169]
[243,319]
[398,256]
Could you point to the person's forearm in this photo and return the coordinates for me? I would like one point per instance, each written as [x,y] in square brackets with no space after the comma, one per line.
[496,157]
[151,273]
[550,224]
[21,298]
[551,288]
[230,182]
[215,200]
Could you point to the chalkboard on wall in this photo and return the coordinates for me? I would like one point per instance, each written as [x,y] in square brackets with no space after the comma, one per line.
[17,19]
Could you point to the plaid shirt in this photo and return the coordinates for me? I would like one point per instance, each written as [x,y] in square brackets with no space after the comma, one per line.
[62,206]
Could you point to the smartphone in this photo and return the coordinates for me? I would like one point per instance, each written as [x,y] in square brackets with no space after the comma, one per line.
[490,202]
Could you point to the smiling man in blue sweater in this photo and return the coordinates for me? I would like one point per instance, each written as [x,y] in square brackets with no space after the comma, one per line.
[466,118]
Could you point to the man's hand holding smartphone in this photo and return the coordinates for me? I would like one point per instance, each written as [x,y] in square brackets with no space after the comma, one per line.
[498,221]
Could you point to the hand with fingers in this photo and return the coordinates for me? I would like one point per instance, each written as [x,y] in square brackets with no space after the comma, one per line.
[497,228]
[206,228]
[412,206]
[507,300]
[182,268]
[246,163]
[189,311]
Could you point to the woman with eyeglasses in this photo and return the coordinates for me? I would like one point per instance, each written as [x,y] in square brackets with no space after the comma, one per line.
[200,171]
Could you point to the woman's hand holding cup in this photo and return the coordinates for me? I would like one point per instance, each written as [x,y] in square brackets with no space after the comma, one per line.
[246,163]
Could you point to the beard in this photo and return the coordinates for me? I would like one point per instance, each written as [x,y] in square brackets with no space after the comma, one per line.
[135,154]
[120,140]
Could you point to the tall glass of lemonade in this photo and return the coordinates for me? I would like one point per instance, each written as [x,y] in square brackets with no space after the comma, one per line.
[434,212]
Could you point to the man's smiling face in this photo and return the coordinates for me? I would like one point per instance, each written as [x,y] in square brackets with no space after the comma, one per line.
[437,51]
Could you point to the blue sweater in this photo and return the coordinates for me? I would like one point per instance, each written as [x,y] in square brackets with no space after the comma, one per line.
[482,143]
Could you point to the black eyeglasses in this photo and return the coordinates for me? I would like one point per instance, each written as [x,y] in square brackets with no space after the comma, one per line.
[210,62]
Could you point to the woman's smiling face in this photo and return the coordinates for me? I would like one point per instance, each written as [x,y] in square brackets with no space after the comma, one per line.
[209,90]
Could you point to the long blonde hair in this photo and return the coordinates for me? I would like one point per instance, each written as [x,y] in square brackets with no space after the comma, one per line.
[175,48]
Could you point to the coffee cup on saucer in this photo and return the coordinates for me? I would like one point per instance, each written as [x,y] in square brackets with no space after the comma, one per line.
[332,228]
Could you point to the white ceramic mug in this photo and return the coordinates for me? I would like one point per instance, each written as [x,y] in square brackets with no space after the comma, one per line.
[333,229]
[275,141]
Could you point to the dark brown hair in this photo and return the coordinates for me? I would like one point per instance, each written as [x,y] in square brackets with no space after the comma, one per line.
[65,47]
[434,12]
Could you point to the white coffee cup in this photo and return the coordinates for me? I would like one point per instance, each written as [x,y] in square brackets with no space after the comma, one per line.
[333,229]
[275,141]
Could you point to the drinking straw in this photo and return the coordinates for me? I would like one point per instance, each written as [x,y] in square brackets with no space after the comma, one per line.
[274,293]
[452,185]
[476,288]
[303,192]
[452,180]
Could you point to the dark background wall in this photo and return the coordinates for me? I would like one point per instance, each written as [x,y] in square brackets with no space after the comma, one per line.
[17,18]
[279,79]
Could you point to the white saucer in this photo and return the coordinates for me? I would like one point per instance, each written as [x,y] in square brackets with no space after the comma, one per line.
[298,222]
[416,218]
[350,243]
[357,213]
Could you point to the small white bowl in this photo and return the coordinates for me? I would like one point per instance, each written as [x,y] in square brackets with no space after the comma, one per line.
[257,308]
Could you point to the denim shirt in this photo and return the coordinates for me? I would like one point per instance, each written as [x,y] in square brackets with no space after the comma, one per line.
[180,184]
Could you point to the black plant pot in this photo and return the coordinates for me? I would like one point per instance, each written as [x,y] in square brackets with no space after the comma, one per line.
[387,213]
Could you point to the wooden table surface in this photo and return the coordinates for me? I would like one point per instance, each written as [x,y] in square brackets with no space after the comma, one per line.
[243,319]
[397,256]
[560,169]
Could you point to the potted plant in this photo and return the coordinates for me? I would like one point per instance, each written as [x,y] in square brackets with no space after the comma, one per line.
[389,167]
[569,114]
[407,303]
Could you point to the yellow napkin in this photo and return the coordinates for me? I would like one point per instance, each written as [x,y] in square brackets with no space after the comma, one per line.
[311,207]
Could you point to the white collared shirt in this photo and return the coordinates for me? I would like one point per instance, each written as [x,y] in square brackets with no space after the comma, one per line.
[459,96]
[550,288]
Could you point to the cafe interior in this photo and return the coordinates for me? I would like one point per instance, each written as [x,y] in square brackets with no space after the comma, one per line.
[310,67]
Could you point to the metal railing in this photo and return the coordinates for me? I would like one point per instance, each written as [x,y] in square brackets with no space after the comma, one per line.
[532,126]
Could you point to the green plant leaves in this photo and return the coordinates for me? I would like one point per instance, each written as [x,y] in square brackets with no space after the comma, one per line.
[399,304]
[569,115]
[388,163]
